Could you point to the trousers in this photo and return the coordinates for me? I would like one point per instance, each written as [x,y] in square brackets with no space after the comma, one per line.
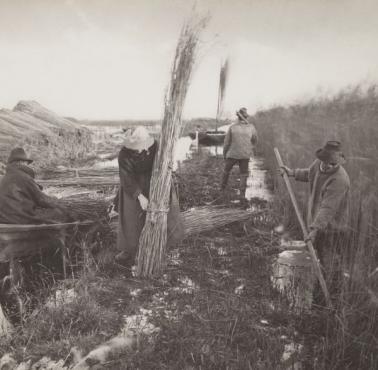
[243,168]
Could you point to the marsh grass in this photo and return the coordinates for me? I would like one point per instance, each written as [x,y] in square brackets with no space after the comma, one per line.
[346,338]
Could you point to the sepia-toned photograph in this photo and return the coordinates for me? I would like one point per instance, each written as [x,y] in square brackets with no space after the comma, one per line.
[188,185]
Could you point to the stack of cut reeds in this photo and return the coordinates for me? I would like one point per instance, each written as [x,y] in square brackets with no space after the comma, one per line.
[207,218]
[46,136]
[82,181]
[196,220]
[86,208]
[64,173]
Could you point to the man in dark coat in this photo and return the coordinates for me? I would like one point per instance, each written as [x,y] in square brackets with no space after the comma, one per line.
[21,198]
[135,161]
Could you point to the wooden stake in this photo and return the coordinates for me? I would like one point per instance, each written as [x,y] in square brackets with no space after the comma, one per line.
[309,244]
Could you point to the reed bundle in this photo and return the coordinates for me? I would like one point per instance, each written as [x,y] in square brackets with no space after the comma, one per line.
[202,219]
[47,137]
[100,172]
[64,173]
[207,218]
[86,208]
[82,181]
[153,240]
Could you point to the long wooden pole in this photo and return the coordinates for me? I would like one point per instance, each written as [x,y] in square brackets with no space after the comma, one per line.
[308,242]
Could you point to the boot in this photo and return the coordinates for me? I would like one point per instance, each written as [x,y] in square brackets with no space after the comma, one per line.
[243,185]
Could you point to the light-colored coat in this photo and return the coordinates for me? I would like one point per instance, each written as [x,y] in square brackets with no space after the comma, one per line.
[328,205]
[239,141]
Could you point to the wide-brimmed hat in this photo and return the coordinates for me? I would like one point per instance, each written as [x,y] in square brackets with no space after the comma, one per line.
[331,152]
[242,113]
[18,154]
[138,139]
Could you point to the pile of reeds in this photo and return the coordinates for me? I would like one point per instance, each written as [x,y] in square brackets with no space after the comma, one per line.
[47,137]
[64,173]
[153,240]
[202,219]
[82,181]
[86,208]
[207,218]
[196,220]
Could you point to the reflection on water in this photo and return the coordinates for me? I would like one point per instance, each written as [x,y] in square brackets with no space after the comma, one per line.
[212,150]
[256,185]
[293,276]
[182,150]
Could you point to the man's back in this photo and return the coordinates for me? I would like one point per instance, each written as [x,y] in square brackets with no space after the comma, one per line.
[239,140]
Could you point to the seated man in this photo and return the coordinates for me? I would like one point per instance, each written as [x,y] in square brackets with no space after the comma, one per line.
[21,198]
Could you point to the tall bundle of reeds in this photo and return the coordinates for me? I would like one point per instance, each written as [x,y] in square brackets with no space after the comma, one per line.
[152,242]
[223,77]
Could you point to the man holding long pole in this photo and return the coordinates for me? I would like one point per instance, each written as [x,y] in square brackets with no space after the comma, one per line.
[328,207]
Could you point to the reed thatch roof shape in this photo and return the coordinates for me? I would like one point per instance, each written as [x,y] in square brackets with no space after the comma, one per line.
[36,110]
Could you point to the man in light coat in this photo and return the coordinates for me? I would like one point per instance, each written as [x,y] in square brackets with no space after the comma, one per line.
[238,146]
[328,206]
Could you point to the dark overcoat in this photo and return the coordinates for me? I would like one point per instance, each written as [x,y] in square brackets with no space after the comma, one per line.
[22,201]
[135,171]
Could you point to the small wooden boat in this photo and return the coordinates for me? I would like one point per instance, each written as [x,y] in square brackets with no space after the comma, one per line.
[209,137]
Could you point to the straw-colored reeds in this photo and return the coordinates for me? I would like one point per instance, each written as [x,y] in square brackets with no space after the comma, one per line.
[69,173]
[46,136]
[86,208]
[152,243]
[202,219]
[82,181]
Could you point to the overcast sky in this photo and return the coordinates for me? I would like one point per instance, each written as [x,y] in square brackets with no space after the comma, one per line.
[101,59]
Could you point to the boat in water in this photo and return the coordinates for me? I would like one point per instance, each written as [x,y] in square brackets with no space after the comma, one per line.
[215,137]
[211,137]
